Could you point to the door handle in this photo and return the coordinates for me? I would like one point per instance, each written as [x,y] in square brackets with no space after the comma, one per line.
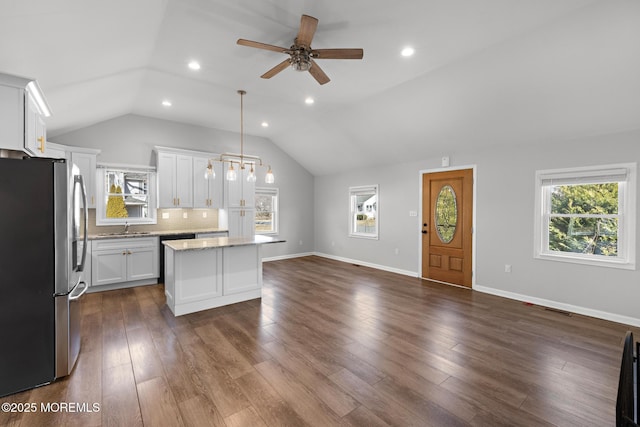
[424,231]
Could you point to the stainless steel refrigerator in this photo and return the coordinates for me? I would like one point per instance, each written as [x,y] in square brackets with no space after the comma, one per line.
[43,220]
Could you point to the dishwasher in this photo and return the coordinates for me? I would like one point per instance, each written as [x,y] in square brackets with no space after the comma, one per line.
[170,237]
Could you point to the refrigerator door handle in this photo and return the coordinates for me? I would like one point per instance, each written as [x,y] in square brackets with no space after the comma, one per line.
[85,287]
[79,180]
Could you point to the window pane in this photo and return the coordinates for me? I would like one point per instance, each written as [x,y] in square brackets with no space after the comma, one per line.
[127,194]
[266,215]
[264,221]
[591,199]
[365,213]
[264,202]
[595,236]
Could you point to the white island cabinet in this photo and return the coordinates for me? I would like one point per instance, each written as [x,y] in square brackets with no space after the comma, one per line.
[206,273]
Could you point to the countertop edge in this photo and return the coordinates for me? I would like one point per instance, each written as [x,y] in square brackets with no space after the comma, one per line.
[152,233]
[218,242]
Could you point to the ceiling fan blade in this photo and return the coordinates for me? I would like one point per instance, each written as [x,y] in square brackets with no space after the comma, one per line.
[308,26]
[337,53]
[275,70]
[259,45]
[318,74]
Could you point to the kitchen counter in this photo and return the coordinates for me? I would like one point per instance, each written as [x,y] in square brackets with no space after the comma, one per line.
[201,274]
[122,235]
[218,242]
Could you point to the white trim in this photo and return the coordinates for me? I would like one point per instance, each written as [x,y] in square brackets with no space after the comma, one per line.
[360,190]
[561,306]
[421,172]
[273,192]
[126,167]
[368,264]
[288,256]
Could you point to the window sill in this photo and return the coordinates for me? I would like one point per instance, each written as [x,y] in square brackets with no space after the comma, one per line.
[609,263]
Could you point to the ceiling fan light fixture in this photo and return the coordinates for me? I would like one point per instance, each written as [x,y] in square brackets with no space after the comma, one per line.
[300,60]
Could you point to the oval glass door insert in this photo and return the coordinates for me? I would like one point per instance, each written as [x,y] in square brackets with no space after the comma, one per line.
[446,214]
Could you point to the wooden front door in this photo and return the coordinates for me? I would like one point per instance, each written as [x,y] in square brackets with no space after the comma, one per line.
[447,221]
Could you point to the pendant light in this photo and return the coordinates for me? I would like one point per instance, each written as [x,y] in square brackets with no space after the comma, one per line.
[242,160]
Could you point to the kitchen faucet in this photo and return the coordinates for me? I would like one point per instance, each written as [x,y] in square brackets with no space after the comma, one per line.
[126,227]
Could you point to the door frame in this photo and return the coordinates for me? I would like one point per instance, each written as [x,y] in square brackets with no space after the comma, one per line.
[473,167]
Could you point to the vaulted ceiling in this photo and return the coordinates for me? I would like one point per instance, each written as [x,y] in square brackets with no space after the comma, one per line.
[485,72]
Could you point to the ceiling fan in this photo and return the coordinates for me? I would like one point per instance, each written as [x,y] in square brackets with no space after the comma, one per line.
[301,55]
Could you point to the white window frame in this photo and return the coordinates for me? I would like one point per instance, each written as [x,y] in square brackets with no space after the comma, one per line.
[275,193]
[359,190]
[625,174]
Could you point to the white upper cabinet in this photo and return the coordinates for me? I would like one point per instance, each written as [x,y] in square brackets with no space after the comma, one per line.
[175,180]
[239,193]
[85,160]
[22,108]
[207,189]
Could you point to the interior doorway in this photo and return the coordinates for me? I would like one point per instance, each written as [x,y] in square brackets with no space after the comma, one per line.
[447,226]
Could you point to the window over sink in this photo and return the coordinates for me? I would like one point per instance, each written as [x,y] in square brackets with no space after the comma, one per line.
[125,195]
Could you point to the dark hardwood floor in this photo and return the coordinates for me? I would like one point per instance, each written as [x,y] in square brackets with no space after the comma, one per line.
[335,344]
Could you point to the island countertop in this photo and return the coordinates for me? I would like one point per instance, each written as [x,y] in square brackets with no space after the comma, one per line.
[218,242]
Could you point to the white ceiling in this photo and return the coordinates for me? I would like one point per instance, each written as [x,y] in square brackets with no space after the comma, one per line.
[485,72]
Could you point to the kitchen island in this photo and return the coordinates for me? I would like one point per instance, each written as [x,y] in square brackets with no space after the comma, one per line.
[206,273]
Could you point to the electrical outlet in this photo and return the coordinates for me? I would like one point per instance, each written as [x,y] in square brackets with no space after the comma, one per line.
[507,268]
[165,215]
[185,215]
[413,213]
[204,214]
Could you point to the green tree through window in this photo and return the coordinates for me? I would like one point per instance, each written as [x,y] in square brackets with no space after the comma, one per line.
[584,219]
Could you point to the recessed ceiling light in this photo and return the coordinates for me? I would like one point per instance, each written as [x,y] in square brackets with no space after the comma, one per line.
[166,103]
[309,100]
[194,65]
[407,51]
[265,124]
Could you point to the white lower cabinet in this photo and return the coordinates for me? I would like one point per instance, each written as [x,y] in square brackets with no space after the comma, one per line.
[126,261]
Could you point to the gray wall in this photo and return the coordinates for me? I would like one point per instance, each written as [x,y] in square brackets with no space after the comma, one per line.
[505,201]
[130,140]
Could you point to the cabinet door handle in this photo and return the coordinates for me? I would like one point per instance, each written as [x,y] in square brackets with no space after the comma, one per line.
[41,140]
[124,253]
[178,201]
[129,252]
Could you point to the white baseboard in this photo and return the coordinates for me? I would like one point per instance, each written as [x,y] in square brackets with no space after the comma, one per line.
[288,256]
[368,264]
[560,306]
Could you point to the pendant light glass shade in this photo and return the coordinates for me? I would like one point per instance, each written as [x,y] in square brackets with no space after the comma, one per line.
[269,178]
[252,175]
[209,172]
[231,173]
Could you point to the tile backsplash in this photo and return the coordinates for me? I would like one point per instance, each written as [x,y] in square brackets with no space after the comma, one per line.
[168,220]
